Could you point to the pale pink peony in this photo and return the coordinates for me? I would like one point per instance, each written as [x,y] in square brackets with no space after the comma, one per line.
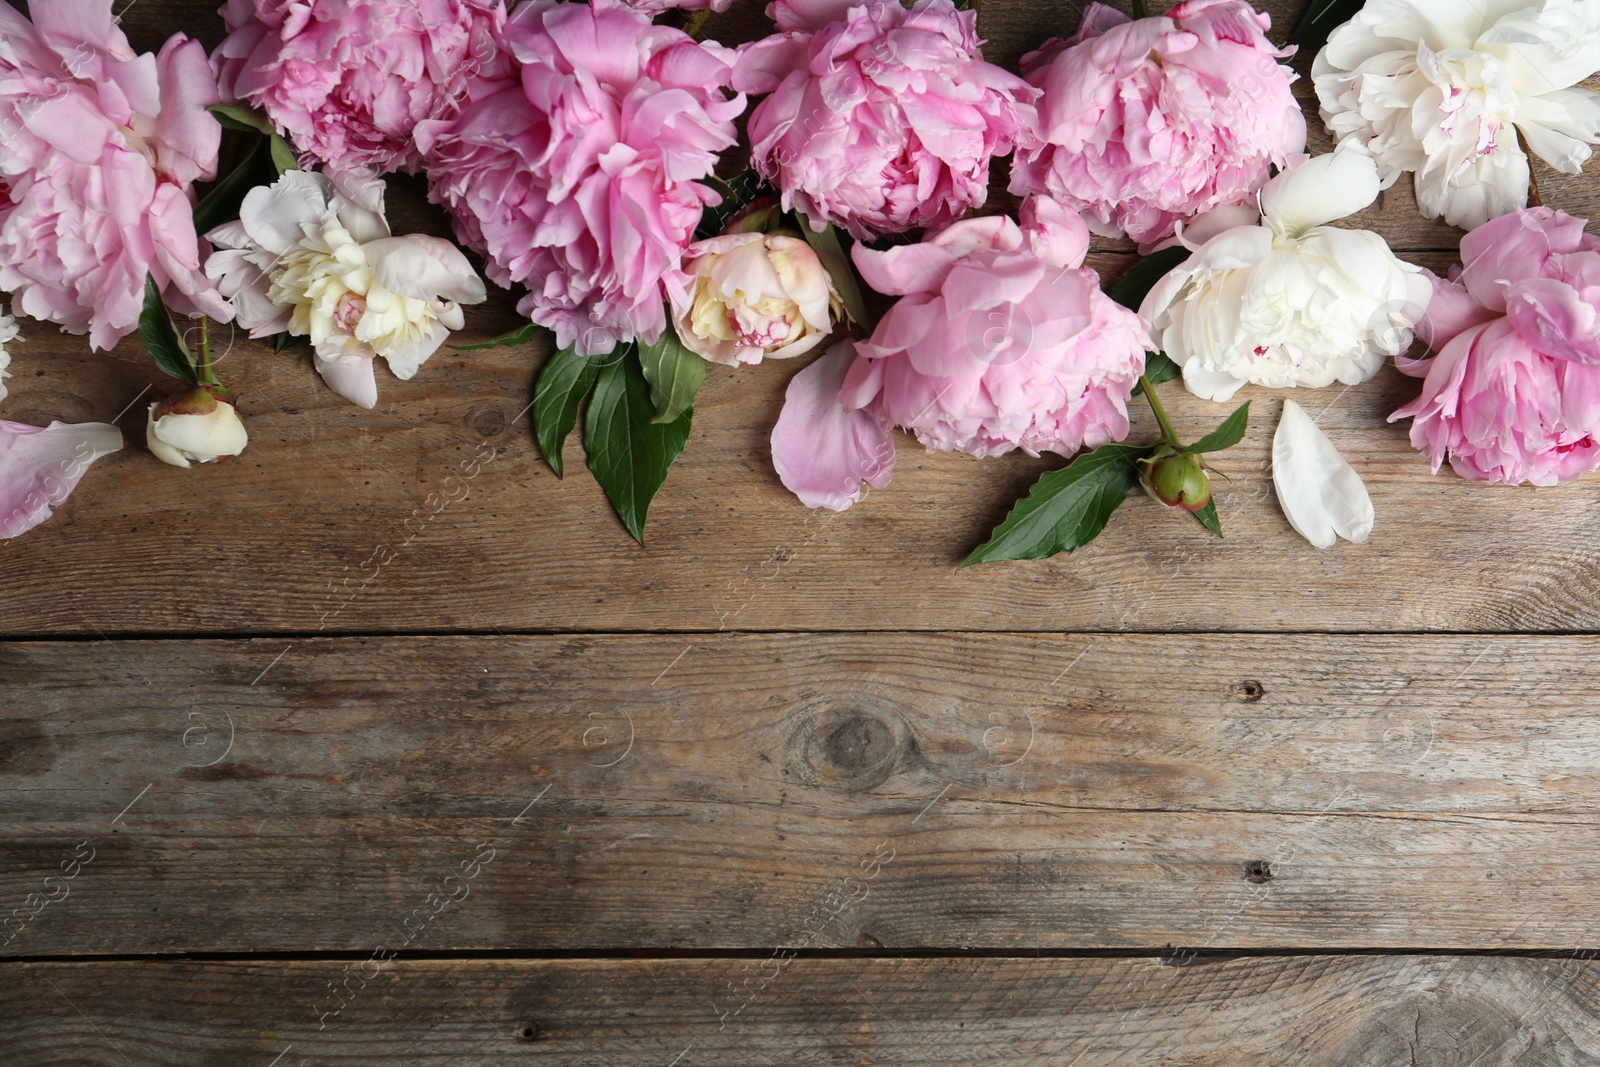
[1150,121]
[1001,340]
[348,80]
[881,118]
[1513,394]
[101,149]
[582,181]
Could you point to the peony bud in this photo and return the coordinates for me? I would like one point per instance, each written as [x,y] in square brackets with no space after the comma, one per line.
[753,296]
[202,425]
[1176,479]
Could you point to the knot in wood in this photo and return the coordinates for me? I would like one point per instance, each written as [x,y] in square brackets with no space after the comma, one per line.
[851,747]
[485,423]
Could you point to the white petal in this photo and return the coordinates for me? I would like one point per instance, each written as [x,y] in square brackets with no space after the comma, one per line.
[1321,189]
[1321,495]
[1208,384]
[273,215]
[361,208]
[425,268]
[352,379]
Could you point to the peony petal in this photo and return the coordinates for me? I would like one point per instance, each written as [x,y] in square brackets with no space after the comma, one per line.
[1322,496]
[822,452]
[1322,189]
[273,215]
[423,267]
[40,466]
[352,379]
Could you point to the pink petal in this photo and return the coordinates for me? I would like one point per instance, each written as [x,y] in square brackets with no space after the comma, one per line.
[40,466]
[822,452]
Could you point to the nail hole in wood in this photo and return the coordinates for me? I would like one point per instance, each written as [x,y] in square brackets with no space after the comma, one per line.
[1248,690]
[1258,871]
[527,1032]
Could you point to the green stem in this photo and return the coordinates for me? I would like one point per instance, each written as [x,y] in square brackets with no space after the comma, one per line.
[207,376]
[1139,10]
[1168,434]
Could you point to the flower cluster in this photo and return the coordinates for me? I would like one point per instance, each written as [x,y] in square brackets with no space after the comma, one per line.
[349,80]
[589,154]
[1512,393]
[880,118]
[583,178]
[1149,121]
[101,148]
[1444,90]
[1280,298]
[1001,340]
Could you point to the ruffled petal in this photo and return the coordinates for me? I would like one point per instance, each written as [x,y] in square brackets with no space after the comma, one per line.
[823,453]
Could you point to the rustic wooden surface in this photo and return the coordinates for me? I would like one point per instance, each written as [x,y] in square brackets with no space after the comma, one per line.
[780,787]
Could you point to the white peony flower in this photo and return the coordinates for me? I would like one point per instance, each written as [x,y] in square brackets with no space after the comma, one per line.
[754,296]
[1285,300]
[1441,89]
[315,257]
[8,333]
[201,426]
[1321,495]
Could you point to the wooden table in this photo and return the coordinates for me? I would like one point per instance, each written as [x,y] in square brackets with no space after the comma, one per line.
[345,777]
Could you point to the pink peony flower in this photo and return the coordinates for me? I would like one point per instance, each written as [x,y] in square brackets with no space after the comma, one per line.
[1513,394]
[881,118]
[1149,121]
[101,149]
[582,180]
[348,80]
[1001,340]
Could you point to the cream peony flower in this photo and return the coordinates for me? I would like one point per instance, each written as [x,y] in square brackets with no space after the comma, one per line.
[1442,88]
[315,257]
[8,333]
[201,426]
[755,296]
[1280,299]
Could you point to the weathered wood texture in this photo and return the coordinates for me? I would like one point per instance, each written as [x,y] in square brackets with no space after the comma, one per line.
[662,792]
[1324,1011]
[349,520]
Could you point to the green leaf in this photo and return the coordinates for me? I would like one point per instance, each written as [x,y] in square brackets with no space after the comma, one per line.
[161,339]
[1158,368]
[238,117]
[675,375]
[1207,517]
[1131,289]
[1066,509]
[1230,433]
[628,453]
[831,252]
[223,202]
[282,155]
[563,382]
[1322,17]
[520,336]
[282,340]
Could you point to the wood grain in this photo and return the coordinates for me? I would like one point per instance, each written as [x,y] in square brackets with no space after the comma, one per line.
[1331,1011]
[1110,792]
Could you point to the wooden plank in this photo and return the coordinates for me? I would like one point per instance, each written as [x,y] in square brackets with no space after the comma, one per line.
[1351,1011]
[711,792]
